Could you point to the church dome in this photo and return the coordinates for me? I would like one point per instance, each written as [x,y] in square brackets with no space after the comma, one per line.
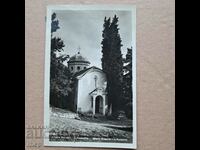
[77,63]
[78,58]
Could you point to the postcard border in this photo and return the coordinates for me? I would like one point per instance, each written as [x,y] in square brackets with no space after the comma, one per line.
[49,9]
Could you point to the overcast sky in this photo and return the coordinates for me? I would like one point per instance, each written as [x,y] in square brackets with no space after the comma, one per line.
[84,29]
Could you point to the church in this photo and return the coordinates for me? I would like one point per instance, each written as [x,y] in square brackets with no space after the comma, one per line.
[90,86]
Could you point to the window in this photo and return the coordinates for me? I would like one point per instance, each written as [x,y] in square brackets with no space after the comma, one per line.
[78,68]
[72,68]
[84,67]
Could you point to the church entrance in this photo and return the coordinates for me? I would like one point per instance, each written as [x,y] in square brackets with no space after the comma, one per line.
[99,105]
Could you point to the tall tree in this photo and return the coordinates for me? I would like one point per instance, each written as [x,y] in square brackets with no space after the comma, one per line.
[127,83]
[59,73]
[127,77]
[112,63]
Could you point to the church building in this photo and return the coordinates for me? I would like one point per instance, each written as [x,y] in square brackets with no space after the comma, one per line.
[90,86]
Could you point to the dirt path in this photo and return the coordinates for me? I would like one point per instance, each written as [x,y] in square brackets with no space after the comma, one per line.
[63,127]
[85,131]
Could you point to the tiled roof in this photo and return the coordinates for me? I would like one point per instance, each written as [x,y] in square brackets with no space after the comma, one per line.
[78,58]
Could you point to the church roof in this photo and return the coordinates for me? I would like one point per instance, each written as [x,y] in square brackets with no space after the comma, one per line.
[96,90]
[83,72]
[78,58]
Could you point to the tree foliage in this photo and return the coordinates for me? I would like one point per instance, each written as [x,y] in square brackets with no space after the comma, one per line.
[112,63]
[59,73]
[127,78]
[127,83]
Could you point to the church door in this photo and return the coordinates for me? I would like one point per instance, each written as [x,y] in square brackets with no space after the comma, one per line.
[99,105]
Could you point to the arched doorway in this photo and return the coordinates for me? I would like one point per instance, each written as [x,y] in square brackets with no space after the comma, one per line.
[99,105]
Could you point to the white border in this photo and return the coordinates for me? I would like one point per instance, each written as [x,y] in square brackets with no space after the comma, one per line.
[50,8]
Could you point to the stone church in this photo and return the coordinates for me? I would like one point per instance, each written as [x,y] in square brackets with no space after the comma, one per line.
[90,86]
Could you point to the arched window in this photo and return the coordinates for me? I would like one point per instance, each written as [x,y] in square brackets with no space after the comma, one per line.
[72,68]
[78,68]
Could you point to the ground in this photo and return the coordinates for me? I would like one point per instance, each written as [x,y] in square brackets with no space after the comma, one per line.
[67,126]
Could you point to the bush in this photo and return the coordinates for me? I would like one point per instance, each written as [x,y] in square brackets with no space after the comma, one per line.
[129,110]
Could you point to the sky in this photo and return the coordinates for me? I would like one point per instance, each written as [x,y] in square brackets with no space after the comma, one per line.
[83,28]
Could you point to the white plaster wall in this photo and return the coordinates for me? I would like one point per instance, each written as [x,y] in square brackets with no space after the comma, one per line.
[85,86]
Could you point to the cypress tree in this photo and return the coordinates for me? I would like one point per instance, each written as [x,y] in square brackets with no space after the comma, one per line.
[127,83]
[112,63]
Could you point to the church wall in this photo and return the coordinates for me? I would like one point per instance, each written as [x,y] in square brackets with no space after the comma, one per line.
[75,95]
[85,86]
